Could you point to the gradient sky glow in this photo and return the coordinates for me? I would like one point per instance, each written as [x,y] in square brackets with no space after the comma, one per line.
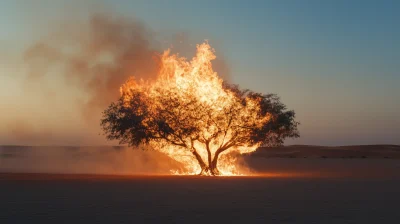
[336,63]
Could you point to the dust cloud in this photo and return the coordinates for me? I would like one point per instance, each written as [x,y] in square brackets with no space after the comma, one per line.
[84,160]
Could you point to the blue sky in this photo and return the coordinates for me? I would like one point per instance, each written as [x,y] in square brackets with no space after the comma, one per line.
[336,63]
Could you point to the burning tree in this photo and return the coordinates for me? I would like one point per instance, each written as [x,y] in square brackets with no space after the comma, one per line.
[193,116]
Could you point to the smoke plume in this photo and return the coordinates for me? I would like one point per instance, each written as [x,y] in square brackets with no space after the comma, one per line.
[85,63]
[95,58]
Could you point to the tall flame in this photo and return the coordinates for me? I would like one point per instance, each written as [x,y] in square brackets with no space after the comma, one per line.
[196,79]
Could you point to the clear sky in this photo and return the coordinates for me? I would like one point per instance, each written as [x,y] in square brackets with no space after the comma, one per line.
[336,63]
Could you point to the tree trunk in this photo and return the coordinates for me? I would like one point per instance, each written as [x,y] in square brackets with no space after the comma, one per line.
[209,171]
[208,153]
[214,165]
[211,168]
[203,166]
[204,171]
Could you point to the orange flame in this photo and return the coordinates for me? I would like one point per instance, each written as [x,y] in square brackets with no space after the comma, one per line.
[195,79]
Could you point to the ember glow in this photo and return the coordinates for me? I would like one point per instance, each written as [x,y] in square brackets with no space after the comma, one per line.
[190,114]
[202,100]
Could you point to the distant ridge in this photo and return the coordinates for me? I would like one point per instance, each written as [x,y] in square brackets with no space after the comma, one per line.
[313,151]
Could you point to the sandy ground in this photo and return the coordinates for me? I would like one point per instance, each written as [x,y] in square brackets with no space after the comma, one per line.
[75,198]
